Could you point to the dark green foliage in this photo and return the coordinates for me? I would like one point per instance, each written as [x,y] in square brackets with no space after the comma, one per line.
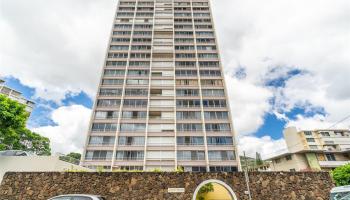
[13,132]
[204,190]
[341,175]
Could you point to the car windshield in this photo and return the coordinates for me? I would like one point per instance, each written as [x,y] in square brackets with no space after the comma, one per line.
[340,196]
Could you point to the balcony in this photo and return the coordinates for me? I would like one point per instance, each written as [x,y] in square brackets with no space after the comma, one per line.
[332,164]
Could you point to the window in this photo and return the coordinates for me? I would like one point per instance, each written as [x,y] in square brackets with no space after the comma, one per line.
[214,103]
[313,147]
[132,168]
[325,134]
[185,64]
[216,115]
[138,72]
[206,48]
[213,92]
[223,169]
[310,139]
[131,141]
[101,140]
[129,155]
[132,127]
[277,160]
[135,103]
[192,82]
[186,72]
[205,40]
[330,157]
[134,114]
[187,92]
[219,140]
[117,55]
[114,72]
[185,55]
[195,169]
[211,82]
[112,82]
[184,48]
[307,133]
[289,157]
[98,155]
[144,64]
[121,40]
[203,64]
[108,102]
[207,55]
[189,127]
[136,92]
[121,32]
[110,92]
[103,127]
[217,127]
[140,47]
[184,40]
[137,82]
[190,155]
[210,73]
[188,103]
[106,115]
[221,155]
[140,55]
[189,140]
[119,47]
[188,115]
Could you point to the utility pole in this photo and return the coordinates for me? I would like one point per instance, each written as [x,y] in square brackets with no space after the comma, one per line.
[247,176]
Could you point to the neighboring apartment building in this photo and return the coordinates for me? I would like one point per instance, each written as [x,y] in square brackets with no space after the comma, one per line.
[313,150]
[16,95]
[162,102]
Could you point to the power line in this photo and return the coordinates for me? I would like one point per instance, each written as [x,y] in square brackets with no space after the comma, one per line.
[342,120]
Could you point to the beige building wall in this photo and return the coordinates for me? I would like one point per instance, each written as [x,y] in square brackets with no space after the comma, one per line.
[297,163]
[293,139]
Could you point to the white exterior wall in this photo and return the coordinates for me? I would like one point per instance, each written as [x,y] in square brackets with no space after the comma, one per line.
[35,164]
[298,163]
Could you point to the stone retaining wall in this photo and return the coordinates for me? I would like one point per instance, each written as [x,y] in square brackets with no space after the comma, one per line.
[149,185]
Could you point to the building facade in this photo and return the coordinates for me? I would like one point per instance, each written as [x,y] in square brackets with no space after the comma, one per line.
[313,150]
[162,102]
[16,95]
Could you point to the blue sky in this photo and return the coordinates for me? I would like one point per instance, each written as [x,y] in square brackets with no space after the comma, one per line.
[41,113]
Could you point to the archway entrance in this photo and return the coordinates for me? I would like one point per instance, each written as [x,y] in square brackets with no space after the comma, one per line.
[214,190]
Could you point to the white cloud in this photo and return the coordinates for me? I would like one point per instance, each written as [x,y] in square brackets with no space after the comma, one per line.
[57,47]
[69,133]
[249,103]
[267,146]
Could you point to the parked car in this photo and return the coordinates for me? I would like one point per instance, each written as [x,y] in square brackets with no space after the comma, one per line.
[340,193]
[14,153]
[78,197]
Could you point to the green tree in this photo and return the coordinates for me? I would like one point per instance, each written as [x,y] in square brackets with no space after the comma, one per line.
[74,155]
[209,187]
[258,159]
[13,132]
[341,175]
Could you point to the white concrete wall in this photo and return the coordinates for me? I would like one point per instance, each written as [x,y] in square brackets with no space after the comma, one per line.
[298,163]
[293,139]
[35,164]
